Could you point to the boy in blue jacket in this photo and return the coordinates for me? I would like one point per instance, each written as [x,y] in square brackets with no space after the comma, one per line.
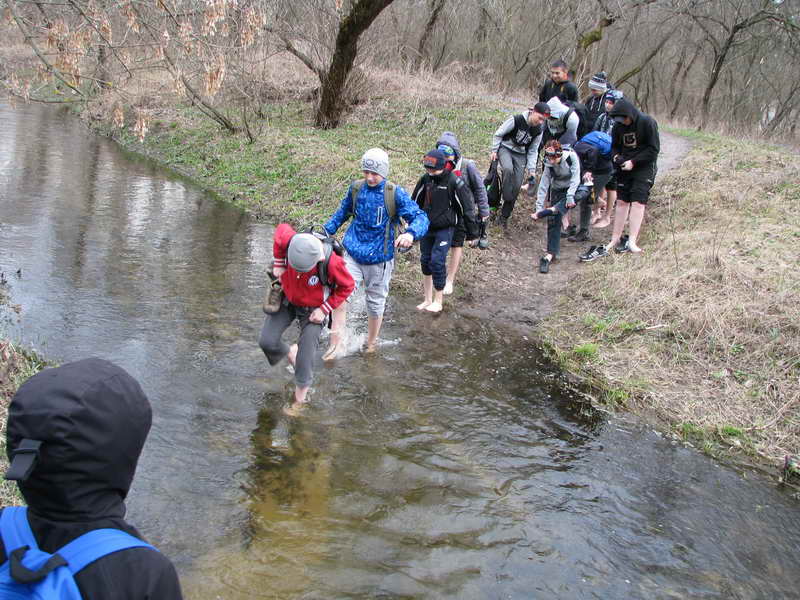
[376,207]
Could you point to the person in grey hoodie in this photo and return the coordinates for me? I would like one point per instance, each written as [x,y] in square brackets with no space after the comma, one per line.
[516,145]
[562,125]
[466,169]
[561,177]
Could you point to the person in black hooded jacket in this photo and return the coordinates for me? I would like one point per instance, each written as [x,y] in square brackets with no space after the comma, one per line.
[92,418]
[634,149]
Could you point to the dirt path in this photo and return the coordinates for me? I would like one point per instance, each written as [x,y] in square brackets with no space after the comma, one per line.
[507,276]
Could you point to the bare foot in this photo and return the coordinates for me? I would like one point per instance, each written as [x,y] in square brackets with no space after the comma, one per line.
[602,223]
[434,307]
[423,305]
[334,351]
[371,349]
[634,249]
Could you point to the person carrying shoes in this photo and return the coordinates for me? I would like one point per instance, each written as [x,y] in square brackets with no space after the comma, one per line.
[561,177]
[297,258]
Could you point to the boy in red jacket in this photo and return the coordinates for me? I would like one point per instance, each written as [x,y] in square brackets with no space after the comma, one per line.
[296,264]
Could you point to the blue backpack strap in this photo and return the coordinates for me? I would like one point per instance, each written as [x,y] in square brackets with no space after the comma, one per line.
[89,547]
[15,530]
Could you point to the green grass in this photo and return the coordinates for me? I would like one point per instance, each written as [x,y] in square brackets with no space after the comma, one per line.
[586,351]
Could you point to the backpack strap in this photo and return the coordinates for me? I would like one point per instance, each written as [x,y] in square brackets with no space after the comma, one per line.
[354,189]
[391,210]
[15,530]
[91,546]
[322,266]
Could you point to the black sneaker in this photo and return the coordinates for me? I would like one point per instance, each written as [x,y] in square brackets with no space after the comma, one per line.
[544,265]
[483,242]
[581,236]
[623,245]
[594,253]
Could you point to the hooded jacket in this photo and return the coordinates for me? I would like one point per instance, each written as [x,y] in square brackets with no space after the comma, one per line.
[447,200]
[364,240]
[92,418]
[503,138]
[638,142]
[467,170]
[562,128]
[565,91]
[564,175]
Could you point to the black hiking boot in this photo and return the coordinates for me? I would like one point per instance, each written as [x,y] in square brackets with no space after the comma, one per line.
[571,230]
[544,265]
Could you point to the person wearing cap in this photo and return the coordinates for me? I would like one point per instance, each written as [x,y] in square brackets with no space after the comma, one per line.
[595,101]
[516,145]
[447,200]
[558,84]
[561,177]
[296,264]
[635,146]
[73,438]
[607,199]
[466,169]
[370,242]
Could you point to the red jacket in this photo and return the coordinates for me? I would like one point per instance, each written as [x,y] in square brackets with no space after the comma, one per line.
[305,289]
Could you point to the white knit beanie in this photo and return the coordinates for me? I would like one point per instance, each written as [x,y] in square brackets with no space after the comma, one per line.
[376,161]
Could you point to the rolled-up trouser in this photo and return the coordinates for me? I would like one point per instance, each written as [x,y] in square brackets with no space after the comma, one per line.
[513,165]
[376,280]
[433,255]
[558,201]
[275,348]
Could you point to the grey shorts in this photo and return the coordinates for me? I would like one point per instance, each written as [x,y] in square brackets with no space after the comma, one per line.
[375,279]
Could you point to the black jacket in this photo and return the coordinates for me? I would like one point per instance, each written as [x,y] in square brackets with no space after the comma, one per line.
[591,159]
[446,199]
[92,418]
[639,141]
[564,91]
[596,106]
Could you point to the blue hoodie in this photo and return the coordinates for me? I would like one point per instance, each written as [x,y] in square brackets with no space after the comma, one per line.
[364,240]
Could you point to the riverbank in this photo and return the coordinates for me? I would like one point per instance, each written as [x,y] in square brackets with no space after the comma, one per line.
[715,236]
[16,366]
[701,331]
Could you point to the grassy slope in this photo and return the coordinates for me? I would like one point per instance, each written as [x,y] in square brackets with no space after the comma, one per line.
[704,328]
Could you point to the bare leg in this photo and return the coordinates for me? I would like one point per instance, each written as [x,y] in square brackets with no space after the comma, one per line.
[373,329]
[620,216]
[338,321]
[611,200]
[636,217]
[452,268]
[436,305]
[427,291]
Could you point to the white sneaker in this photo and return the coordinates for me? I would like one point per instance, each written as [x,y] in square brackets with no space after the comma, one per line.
[448,289]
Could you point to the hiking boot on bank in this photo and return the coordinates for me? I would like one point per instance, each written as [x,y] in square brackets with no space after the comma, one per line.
[594,253]
[581,236]
[623,246]
[483,241]
[544,265]
[569,231]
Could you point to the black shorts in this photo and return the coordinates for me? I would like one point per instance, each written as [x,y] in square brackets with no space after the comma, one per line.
[612,183]
[459,235]
[601,181]
[635,186]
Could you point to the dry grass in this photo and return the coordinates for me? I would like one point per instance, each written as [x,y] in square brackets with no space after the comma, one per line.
[703,329]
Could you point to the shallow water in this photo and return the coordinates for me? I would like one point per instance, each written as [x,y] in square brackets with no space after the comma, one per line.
[451,465]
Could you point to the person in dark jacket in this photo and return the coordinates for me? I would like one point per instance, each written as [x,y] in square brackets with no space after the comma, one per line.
[559,84]
[595,101]
[92,419]
[607,198]
[466,169]
[447,200]
[634,147]
[596,171]
[296,262]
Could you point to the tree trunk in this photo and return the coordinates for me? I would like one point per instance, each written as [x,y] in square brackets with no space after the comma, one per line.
[436,10]
[332,103]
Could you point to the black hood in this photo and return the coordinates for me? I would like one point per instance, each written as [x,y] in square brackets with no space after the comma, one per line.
[624,108]
[92,418]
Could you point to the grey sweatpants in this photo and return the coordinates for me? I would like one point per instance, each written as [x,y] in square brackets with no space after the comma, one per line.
[275,348]
[513,165]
